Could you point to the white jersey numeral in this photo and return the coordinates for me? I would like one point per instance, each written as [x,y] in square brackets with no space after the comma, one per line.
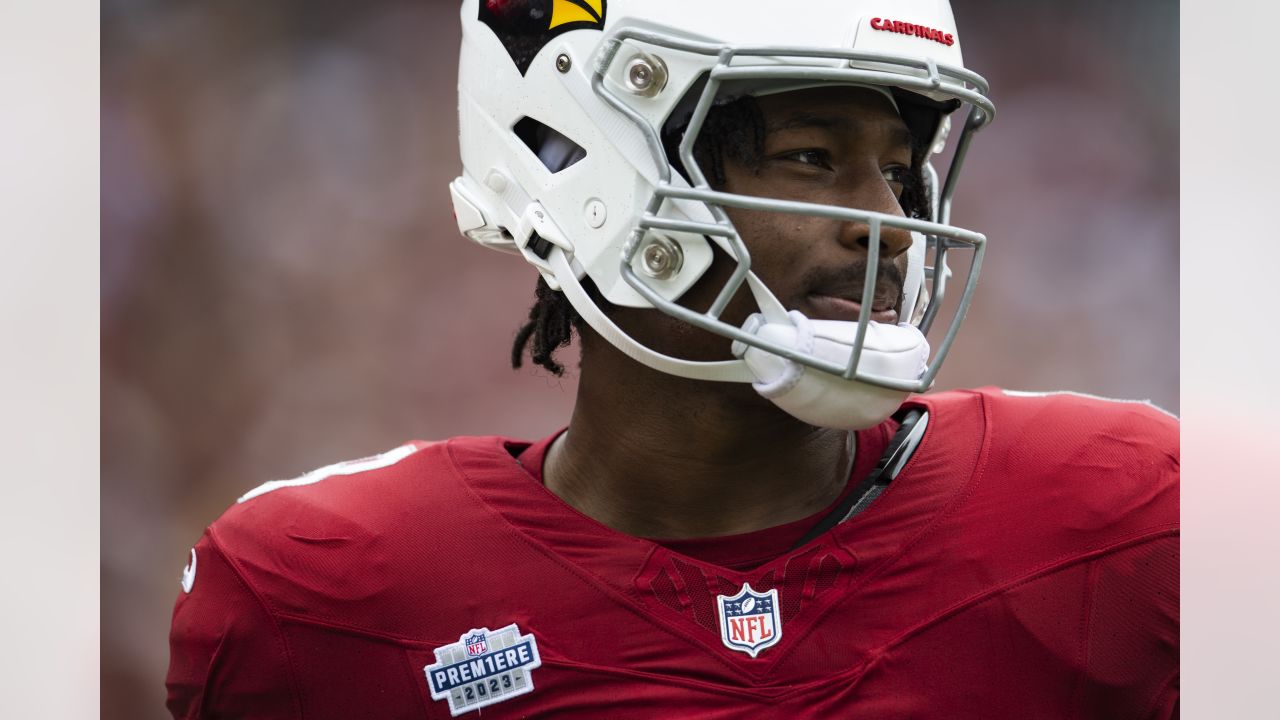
[348,467]
[189,573]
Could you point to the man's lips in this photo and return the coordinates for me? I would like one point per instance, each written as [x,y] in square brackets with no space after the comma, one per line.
[830,307]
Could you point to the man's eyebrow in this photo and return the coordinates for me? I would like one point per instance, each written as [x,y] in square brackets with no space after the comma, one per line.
[898,133]
[811,121]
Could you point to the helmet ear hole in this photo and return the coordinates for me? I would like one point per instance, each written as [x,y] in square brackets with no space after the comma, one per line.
[553,148]
[677,121]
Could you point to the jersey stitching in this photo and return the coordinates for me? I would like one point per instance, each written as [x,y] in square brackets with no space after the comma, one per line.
[1086,631]
[271,615]
[415,680]
[719,688]
[204,696]
[1155,699]
[1065,562]
[399,640]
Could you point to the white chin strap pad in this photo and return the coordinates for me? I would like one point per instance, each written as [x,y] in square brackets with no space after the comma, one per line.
[915,295]
[819,398]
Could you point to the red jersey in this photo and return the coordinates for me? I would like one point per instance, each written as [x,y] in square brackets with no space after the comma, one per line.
[1023,564]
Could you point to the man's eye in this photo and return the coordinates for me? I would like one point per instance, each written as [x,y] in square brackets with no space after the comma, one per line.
[818,158]
[896,174]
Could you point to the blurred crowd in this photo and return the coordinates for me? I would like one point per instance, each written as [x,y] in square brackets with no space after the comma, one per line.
[283,285]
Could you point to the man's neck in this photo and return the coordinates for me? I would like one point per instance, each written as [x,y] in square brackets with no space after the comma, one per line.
[657,456]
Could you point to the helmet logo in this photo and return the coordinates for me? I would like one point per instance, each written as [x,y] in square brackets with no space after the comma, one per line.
[526,26]
[921,31]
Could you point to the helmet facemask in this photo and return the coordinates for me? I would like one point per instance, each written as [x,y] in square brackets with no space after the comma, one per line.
[903,74]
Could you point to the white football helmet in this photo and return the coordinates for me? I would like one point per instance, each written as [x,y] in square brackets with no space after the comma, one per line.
[562,105]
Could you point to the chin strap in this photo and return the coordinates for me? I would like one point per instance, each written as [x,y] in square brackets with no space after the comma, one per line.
[914,292]
[722,371]
[912,424]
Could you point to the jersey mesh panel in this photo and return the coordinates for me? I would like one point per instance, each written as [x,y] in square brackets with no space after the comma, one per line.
[664,588]
[825,578]
[695,586]
[794,577]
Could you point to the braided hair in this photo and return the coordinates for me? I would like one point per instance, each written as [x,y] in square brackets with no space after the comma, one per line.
[735,130]
[550,327]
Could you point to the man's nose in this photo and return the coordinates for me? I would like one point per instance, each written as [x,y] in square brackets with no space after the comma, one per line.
[893,240]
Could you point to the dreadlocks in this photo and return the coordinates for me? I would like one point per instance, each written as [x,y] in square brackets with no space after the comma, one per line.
[734,130]
[549,328]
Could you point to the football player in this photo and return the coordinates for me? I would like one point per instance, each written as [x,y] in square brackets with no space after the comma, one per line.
[753,512]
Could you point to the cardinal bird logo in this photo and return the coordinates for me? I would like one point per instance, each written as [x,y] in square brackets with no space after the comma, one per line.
[526,26]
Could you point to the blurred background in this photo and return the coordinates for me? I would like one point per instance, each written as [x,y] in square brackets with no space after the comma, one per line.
[283,285]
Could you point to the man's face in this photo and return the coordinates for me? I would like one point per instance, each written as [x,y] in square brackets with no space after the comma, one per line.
[840,146]
[836,146]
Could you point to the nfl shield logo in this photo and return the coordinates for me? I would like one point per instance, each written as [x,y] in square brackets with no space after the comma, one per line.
[476,644]
[749,621]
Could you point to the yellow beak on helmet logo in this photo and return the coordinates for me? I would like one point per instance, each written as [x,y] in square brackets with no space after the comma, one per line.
[564,12]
